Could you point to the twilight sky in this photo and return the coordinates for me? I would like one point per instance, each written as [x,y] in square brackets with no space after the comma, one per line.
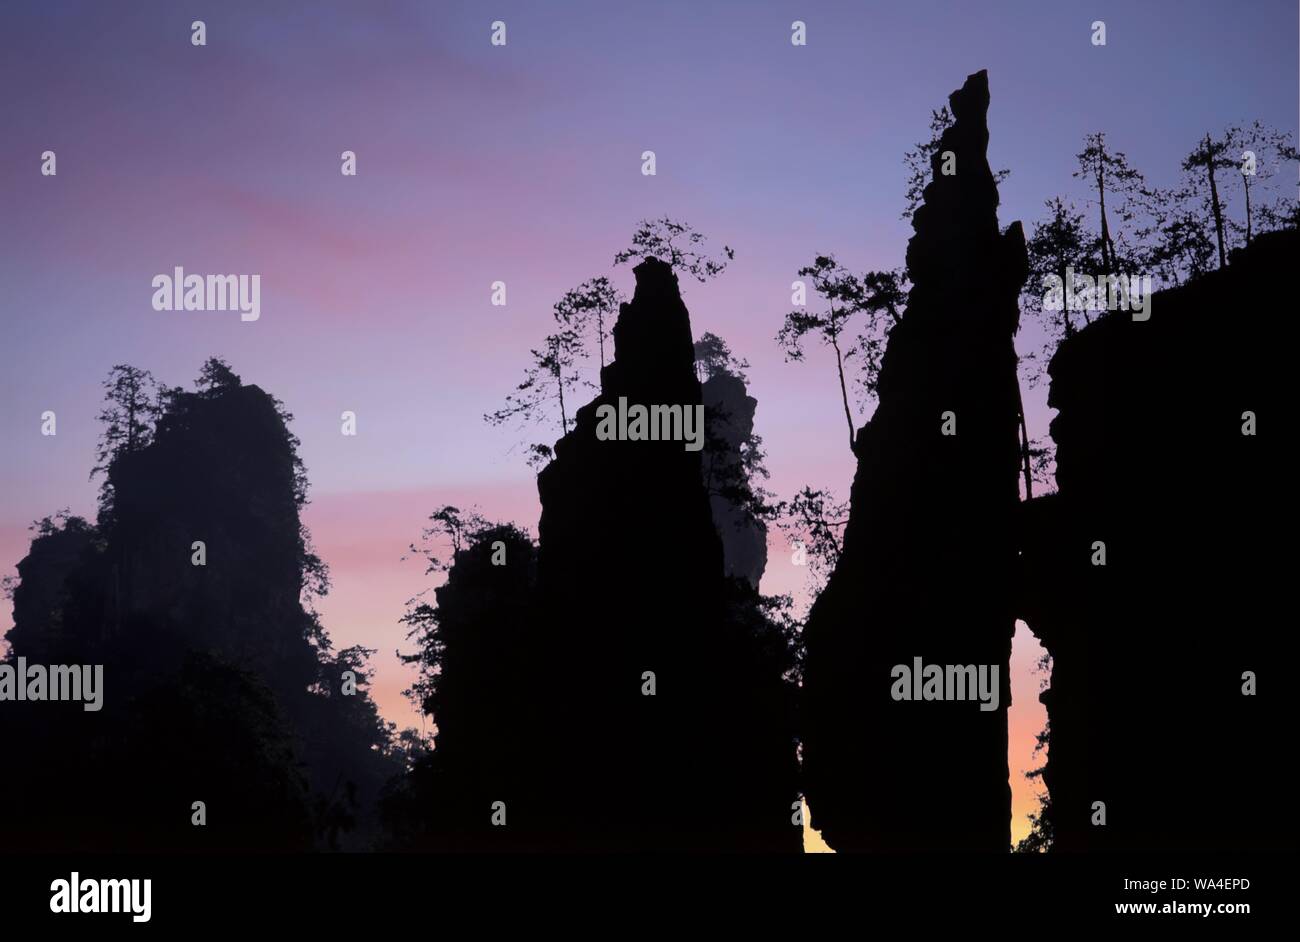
[522,164]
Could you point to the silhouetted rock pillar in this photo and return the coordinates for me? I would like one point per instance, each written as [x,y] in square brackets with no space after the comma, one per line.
[646,707]
[929,553]
[730,410]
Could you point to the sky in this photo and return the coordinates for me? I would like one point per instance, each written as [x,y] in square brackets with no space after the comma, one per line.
[518,163]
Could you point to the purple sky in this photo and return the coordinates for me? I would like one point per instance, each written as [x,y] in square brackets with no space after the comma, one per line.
[520,164]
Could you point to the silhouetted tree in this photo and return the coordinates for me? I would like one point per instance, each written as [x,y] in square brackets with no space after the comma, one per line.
[1060,245]
[1284,212]
[1269,150]
[778,612]
[452,526]
[845,297]
[1187,226]
[1208,157]
[551,372]
[877,295]
[1108,172]
[714,358]
[814,519]
[884,295]
[135,402]
[589,305]
[61,521]
[1042,454]
[1181,244]
[1039,838]
[215,376]
[677,244]
[450,532]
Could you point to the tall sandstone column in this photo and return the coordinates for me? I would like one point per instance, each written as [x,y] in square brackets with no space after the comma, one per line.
[632,590]
[929,554]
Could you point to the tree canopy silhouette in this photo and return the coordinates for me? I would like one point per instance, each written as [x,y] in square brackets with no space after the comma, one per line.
[677,244]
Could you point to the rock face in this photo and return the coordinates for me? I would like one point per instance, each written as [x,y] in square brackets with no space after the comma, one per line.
[216,684]
[220,471]
[929,552]
[1146,701]
[488,645]
[730,411]
[613,688]
[44,590]
[631,583]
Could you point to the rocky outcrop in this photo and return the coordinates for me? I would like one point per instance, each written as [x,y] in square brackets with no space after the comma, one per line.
[1150,649]
[218,685]
[45,627]
[219,471]
[613,688]
[482,648]
[634,598]
[730,414]
[929,556]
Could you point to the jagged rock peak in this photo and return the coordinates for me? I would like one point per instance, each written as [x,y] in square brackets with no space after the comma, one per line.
[652,336]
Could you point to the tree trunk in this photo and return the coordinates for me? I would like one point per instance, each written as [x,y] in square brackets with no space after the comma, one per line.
[1106,256]
[1214,202]
[1246,181]
[844,392]
[1065,303]
[564,419]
